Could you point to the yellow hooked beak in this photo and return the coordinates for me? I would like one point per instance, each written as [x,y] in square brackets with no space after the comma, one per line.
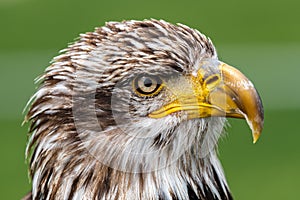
[226,92]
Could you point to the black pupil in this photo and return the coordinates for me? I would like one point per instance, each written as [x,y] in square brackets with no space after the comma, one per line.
[148,82]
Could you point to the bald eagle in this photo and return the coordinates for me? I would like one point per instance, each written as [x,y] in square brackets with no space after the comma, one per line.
[134,111]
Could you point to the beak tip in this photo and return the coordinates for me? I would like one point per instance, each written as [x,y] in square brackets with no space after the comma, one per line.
[255,136]
[256,127]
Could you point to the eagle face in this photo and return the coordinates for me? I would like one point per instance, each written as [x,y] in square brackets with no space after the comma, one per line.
[134,110]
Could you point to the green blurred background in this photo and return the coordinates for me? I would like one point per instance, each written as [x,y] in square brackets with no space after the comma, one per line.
[261,38]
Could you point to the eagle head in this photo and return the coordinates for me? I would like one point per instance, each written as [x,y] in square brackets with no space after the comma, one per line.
[134,110]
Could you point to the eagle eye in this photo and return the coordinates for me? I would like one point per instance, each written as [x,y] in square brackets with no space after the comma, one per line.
[147,85]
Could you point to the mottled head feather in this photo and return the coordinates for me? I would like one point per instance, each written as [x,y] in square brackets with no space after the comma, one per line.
[75,155]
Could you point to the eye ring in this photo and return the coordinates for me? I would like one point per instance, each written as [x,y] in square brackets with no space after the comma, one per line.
[147,85]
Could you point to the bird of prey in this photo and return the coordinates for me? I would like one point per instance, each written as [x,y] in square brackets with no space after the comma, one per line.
[133,111]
